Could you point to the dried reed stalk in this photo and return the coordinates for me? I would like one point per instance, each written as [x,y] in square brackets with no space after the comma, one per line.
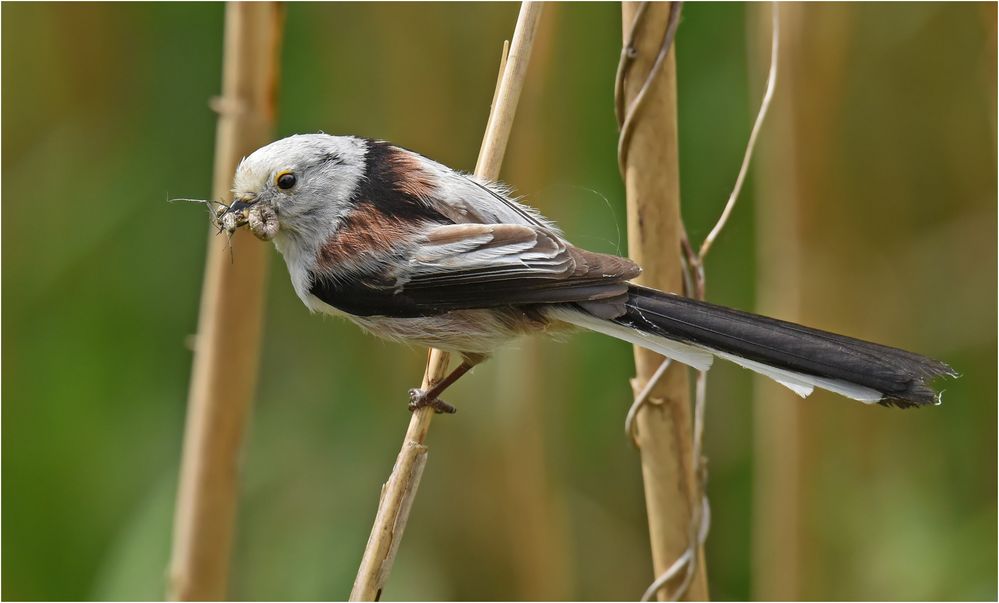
[400,489]
[652,182]
[227,348]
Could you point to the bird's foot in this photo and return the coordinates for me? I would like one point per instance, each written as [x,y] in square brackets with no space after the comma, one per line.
[418,399]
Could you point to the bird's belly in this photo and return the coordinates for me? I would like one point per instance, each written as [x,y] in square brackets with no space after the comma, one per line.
[478,331]
[472,331]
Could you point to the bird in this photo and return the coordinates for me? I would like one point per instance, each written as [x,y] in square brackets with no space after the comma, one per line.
[414,251]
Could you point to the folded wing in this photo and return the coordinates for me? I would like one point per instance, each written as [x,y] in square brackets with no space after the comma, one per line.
[464,266]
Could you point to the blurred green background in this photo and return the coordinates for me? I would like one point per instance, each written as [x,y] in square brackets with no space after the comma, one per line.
[884,131]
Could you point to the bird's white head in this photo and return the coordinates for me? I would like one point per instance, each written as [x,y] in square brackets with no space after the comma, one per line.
[305,181]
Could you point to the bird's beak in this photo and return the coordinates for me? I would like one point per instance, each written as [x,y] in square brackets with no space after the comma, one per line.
[241,204]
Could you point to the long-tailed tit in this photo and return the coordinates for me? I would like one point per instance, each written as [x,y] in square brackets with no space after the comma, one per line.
[412,250]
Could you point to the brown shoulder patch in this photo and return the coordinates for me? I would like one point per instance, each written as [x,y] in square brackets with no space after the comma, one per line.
[366,231]
[409,176]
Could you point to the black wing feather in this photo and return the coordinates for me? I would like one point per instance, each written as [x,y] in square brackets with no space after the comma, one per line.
[540,268]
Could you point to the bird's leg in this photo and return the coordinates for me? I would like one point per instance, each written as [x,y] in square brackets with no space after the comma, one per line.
[419,398]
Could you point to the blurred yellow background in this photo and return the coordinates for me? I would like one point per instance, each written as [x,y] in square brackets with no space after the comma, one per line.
[879,159]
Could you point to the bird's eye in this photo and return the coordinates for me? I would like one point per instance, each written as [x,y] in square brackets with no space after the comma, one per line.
[286,180]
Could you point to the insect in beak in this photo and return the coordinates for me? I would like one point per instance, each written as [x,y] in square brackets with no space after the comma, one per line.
[261,218]
[235,215]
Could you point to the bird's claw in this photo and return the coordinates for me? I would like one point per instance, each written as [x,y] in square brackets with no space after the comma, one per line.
[418,399]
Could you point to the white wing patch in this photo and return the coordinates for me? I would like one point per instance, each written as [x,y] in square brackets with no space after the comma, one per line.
[499,250]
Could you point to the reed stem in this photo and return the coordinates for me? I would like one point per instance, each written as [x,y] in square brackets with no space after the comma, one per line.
[227,346]
[399,491]
[652,182]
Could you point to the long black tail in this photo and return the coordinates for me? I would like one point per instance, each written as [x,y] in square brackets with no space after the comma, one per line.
[790,353]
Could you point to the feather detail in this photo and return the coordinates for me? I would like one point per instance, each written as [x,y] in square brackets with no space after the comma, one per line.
[442,268]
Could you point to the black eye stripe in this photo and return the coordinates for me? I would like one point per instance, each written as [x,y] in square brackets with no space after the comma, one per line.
[286,181]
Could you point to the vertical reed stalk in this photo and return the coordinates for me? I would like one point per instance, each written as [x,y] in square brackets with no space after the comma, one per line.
[227,348]
[651,173]
[400,489]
